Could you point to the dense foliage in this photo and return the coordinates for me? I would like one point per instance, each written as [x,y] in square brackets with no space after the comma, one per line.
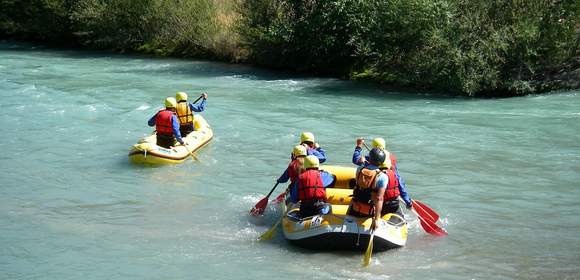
[200,28]
[470,46]
[483,47]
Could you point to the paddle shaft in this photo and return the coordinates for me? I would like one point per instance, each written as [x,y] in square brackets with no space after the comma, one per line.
[200,97]
[366,146]
[272,190]
[369,251]
[190,152]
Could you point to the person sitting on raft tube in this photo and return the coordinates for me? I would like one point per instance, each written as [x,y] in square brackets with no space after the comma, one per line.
[185,111]
[311,191]
[373,189]
[166,124]
[312,148]
[357,159]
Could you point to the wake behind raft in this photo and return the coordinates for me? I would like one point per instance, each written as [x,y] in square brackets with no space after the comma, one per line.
[146,150]
[337,230]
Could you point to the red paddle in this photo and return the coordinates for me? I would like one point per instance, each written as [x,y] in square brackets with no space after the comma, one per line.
[261,205]
[425,211]
[430,227]
[279,198]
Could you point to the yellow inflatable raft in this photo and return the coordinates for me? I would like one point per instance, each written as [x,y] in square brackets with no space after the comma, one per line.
[337,230]
[146,150]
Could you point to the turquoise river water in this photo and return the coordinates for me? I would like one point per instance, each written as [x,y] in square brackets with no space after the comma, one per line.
[503,173]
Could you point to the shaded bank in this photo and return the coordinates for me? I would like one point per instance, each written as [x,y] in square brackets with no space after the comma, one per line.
[474,48]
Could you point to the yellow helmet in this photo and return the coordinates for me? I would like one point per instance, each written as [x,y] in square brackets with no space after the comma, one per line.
[379,143]
[181,96]
[386,164]
[170,102]
[311,162]
[299,150]
[306,137]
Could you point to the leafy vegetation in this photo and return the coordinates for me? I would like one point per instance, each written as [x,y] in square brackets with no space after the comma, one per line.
[485,47]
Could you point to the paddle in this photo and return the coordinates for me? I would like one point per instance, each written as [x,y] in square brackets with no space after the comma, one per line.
[279,198]
[190,153]
[430,227]
[425,211]
[200,97]
[369,251]
[261,205]
[268,234]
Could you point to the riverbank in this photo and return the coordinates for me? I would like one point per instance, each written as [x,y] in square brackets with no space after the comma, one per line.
[469,48]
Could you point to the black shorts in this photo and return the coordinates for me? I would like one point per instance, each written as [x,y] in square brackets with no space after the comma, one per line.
[165,141]
[185,129]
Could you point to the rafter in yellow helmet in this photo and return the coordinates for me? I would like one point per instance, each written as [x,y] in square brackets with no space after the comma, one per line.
[306,137]
[170,102]
[181,96]
[299,150]
[379,143]
[311,162]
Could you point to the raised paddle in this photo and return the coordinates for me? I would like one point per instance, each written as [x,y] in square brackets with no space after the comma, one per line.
[261,205]
[366,146]
[268,234]
[369,251]
[200,97]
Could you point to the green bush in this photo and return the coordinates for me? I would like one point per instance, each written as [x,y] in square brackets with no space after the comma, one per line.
[467,46]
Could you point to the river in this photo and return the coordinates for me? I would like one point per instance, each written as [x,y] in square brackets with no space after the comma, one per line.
[504,174]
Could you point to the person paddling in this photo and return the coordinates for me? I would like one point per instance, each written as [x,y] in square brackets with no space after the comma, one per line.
[166,125]
[312,148]
[295,167]
[393,191]
[185,111]
[380,143]
[359,160]
[368,194]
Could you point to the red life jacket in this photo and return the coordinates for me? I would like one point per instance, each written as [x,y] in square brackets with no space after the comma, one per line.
[310,186]
[392,191]
[393,161]
[163,122]
[294,170]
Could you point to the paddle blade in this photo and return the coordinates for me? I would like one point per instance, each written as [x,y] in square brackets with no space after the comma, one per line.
[425,211]
[369,251]
[279,198]
[259,207]
[270,233]
[431,227]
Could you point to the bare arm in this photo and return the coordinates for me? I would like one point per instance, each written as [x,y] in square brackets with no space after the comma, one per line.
[379,204]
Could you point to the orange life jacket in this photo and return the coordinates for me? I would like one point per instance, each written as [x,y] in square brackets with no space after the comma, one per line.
[184,113]
[310,186]
[163,123]
[364,192]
